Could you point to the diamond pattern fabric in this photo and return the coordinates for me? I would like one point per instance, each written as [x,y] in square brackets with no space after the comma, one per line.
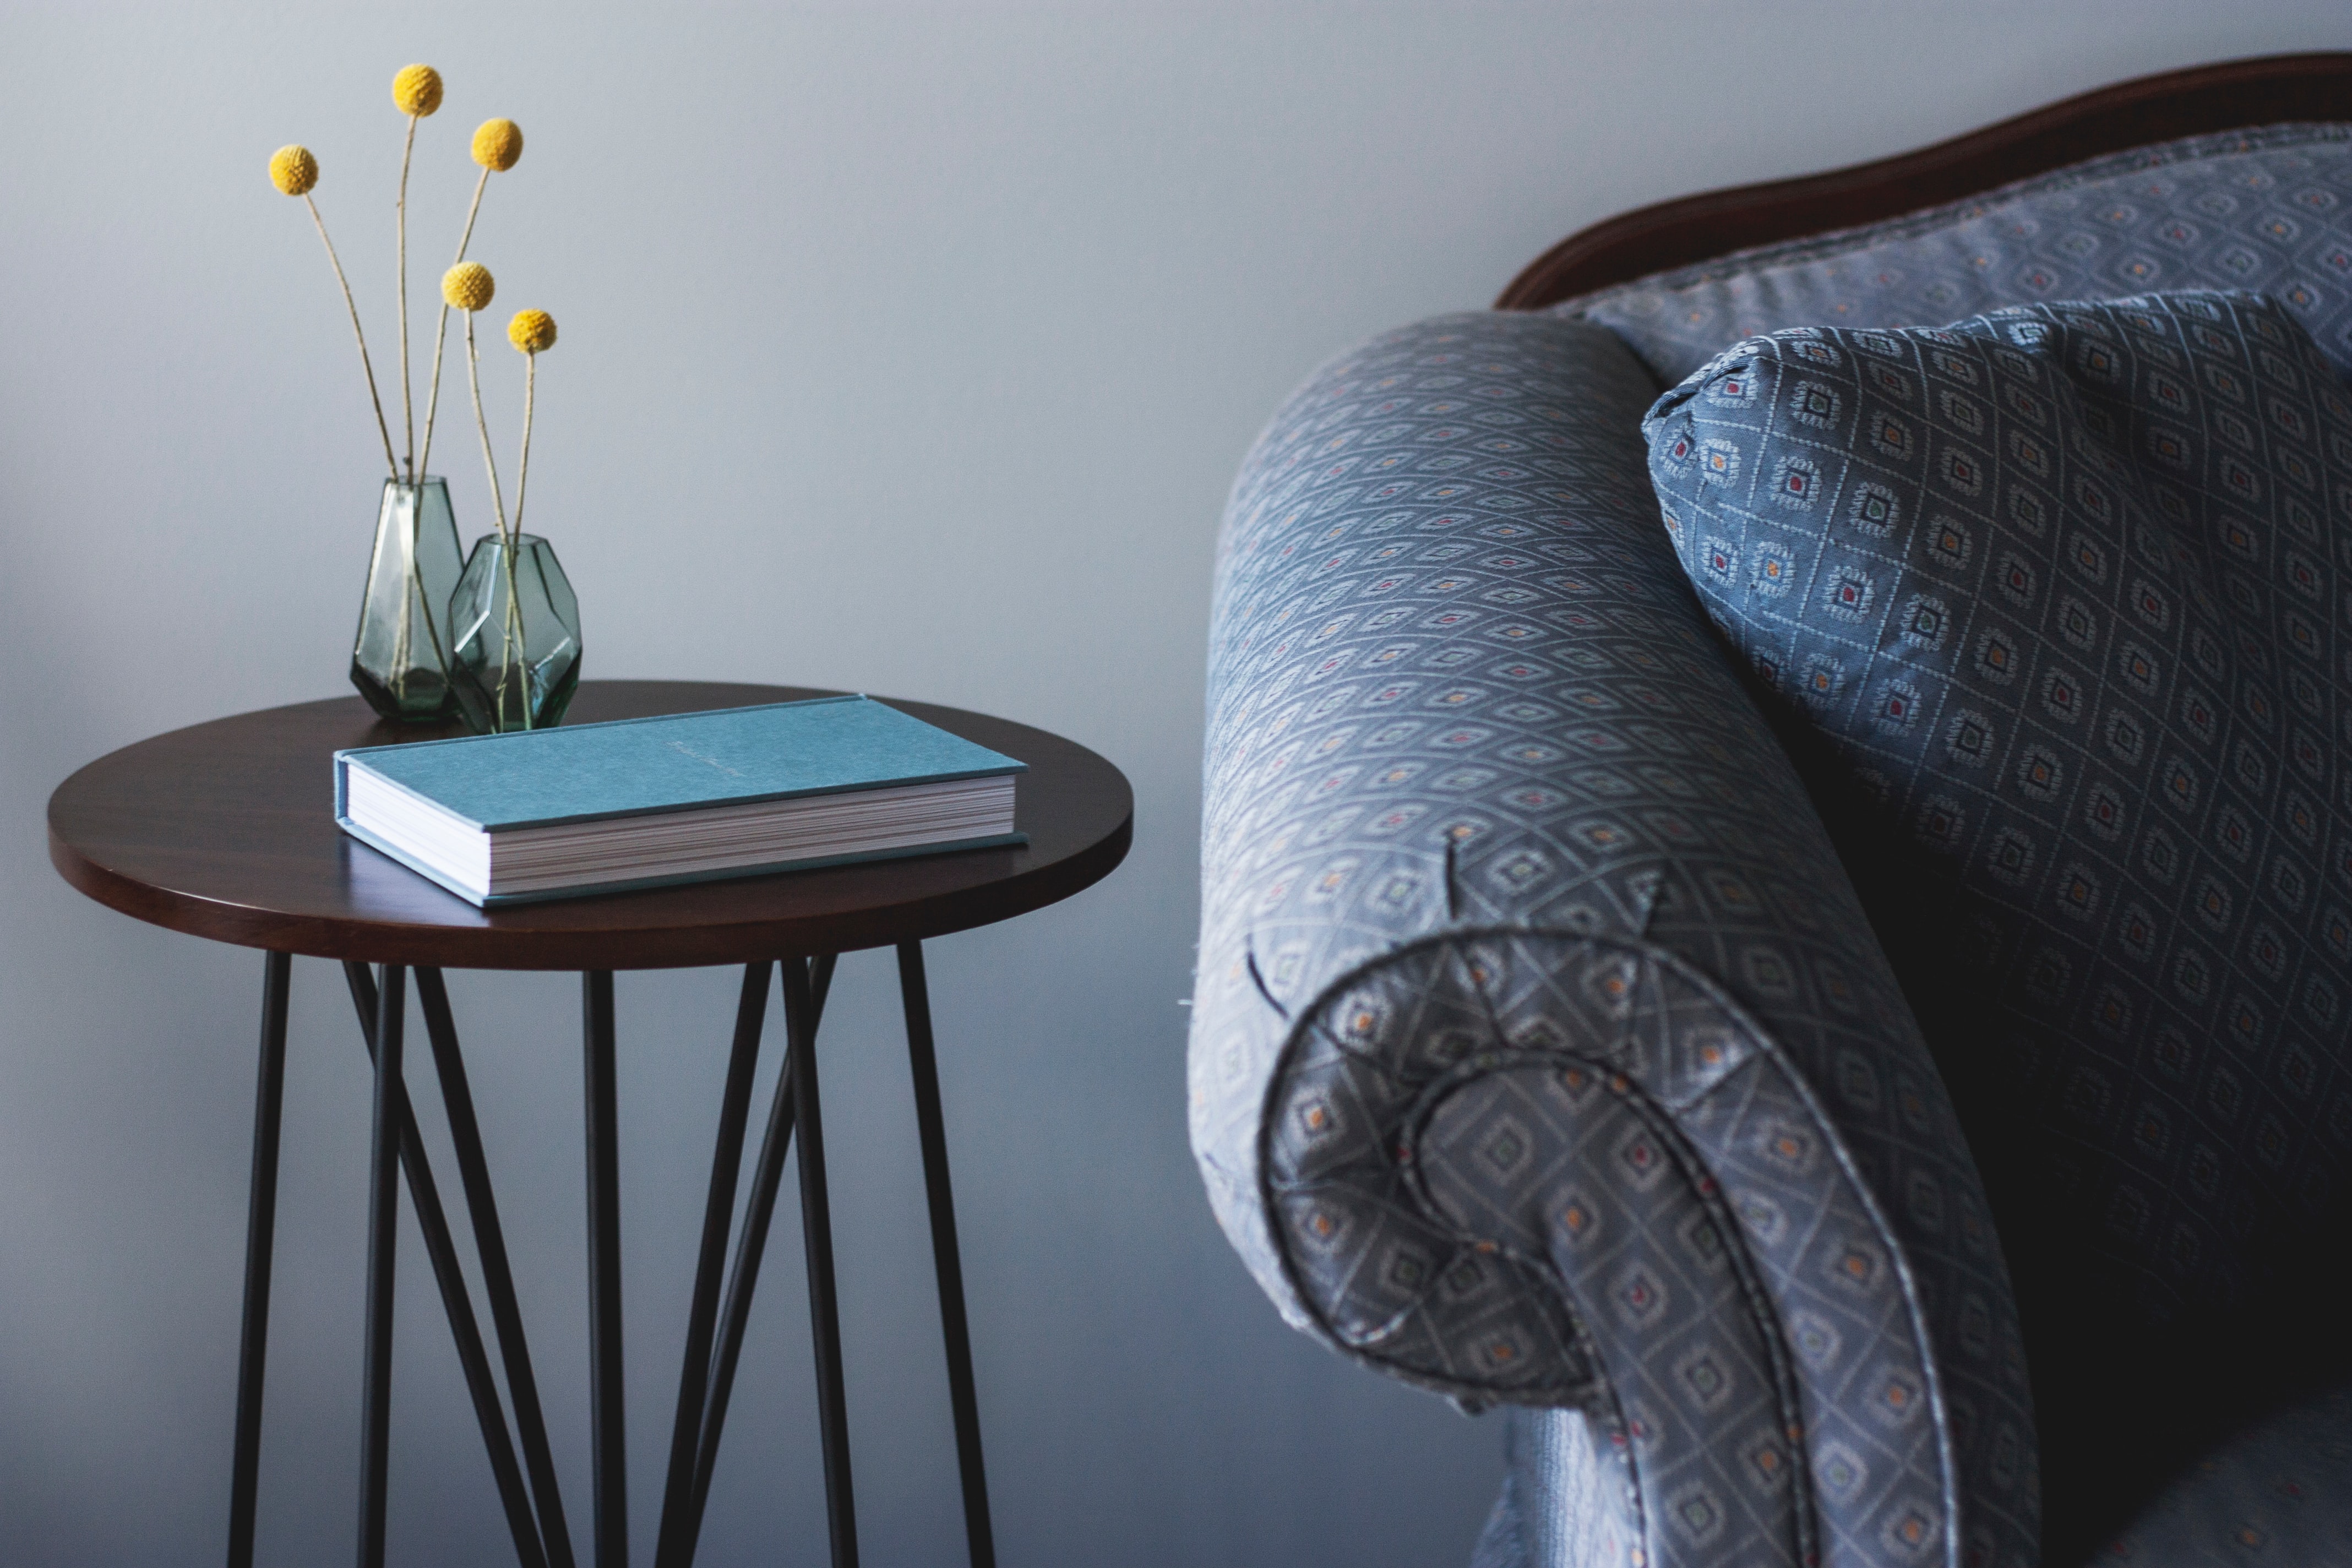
[1541,1051]
[1489,824]
[2267,210]
[2061,587]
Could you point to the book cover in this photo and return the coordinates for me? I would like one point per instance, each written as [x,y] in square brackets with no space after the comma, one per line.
[630,767]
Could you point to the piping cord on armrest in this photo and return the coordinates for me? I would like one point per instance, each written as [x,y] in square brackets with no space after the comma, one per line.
[1547,1168]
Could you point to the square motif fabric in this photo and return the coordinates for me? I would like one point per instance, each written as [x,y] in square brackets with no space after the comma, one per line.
[2063,591]
[2267,209]
[1486,809]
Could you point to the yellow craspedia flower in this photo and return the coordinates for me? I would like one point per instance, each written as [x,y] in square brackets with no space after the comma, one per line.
[469,286]
[292,170]
[531,331]
[417,90]
[498,144]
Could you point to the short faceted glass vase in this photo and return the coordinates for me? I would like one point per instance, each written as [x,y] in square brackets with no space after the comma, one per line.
[517,621]
[401,658]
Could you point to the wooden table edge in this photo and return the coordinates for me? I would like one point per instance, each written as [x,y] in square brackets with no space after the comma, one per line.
[657,945]
[462,947]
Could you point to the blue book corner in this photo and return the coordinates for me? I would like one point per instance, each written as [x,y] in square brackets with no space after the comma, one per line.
[676,762]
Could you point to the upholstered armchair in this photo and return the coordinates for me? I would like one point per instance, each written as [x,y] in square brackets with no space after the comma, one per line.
[1575,1038]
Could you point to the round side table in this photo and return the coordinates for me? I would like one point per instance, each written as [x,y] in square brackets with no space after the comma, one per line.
[224,830]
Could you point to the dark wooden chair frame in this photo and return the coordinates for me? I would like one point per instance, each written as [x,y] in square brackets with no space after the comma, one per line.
[2268,91]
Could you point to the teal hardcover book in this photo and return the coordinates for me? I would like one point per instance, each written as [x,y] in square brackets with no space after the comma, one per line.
[735,792]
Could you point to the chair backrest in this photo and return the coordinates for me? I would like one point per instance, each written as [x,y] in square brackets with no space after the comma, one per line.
[2268,91]
[2266,210]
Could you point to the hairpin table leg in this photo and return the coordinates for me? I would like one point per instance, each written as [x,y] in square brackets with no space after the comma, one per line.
[751,1248]
[718,1216]
[441,1252]
[606,1392]
[816,1232]
[383,1235]
[946,1260]
[498,1274]
[260,1229]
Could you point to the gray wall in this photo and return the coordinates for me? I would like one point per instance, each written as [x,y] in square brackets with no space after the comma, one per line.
[905,347]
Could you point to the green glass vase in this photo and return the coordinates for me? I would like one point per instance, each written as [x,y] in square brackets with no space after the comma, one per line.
[400,660]
[516,661]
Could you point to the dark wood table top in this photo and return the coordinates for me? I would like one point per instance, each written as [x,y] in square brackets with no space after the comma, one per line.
[226,830]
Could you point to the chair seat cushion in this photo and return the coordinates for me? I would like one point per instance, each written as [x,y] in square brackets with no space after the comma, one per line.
[2268,210]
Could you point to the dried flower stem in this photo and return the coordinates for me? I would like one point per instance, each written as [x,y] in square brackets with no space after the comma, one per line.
[400,216]
[523,478]
[474,376]
[441,333]
[529,389]
[381,429]
[468,238]
[511,625]
[433,396]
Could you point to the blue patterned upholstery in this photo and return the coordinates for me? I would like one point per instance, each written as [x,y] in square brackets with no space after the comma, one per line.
[2266,210]
[2059,584]
[1554,1510]
[1541,1053]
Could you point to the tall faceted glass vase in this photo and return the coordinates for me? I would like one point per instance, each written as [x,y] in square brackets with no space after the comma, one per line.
[401,658]
[517,625]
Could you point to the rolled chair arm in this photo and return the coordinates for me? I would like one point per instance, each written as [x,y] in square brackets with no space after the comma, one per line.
[1541,1053]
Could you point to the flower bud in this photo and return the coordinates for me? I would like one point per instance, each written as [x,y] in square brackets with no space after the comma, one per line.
[417,90]
[469,286]
[498,144]
[292,170]
[531,331]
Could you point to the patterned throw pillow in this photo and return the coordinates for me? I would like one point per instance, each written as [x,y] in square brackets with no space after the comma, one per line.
[2062,596]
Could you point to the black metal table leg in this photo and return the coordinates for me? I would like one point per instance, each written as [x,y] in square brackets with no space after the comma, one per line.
[260,1231]
[497,1275]
[713,1349]
[751,1248]
[383,1235]
[441,1251]
[915,992]
[717,1218]
[605,1390]
[817,1229]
